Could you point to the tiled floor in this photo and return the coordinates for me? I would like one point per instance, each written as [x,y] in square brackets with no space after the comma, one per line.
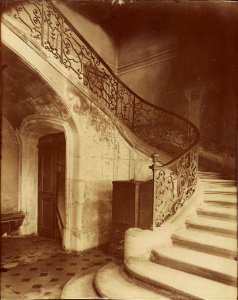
[37,268]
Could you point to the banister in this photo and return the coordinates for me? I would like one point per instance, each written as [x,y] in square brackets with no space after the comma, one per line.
[174,180]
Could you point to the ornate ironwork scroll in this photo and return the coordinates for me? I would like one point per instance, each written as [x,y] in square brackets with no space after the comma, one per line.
[173,185]
[174,182]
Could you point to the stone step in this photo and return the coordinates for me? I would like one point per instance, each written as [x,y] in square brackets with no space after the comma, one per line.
[223,227]
[206,242]
[220,194]
[198,263]
[208,188]
[185,284]
[81,286]
[222,182]
[113,283]
[224,200]
[220,187]
[217,211]
[210,175]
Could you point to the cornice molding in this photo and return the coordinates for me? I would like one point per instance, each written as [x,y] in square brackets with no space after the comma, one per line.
[147,61]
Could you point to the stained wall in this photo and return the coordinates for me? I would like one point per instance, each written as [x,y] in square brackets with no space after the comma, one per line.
[107,157]
[9,169]
[104,44]
[185,61]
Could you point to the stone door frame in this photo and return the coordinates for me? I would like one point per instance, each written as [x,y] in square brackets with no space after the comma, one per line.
[31,129]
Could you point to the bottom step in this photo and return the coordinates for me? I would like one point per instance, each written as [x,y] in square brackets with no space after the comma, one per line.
[113,283]
[81,286]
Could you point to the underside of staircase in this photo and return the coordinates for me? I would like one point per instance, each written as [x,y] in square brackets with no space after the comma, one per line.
[200,262]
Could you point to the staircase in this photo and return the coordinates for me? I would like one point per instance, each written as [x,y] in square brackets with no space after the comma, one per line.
[199,263]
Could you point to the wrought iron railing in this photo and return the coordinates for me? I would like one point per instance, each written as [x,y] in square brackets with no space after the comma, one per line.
[175,180]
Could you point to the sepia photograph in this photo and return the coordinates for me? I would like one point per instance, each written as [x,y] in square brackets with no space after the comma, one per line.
[119,149]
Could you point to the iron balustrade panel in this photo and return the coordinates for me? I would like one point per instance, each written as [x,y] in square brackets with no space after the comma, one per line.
[174,185]
[175,181]
[29,16]
[125,105]
[101,84]
[161,129]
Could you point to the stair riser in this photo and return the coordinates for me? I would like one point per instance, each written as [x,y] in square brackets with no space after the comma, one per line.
[220,196]
[221,181]
[222,203]
[210,191]
[212,177]
[218,193]
[205,248]
[154,287]
[224,188]
[199,271]
[220,231]
[216,215]
[175,293]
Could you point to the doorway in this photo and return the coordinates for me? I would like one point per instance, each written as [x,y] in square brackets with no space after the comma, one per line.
[51,185]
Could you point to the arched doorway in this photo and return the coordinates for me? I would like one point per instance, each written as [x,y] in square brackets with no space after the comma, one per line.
[33,131]
[51,185]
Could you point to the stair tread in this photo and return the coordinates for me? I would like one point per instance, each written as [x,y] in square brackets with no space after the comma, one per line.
[210,173]
[206,239]
[113,283]
[217,209]
[214,223]
[220,189]
[219,194]
[219,199]
[80,287]
[218,180]
[207,175]
[185,283]
[198,259]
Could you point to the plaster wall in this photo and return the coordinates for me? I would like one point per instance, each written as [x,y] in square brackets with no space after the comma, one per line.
[107,157]
[188,67]
[9,169]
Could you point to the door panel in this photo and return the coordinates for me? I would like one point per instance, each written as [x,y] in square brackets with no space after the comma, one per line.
[51,190]
[47,189]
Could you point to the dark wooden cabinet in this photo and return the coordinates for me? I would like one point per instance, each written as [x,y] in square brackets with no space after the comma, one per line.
[132,206]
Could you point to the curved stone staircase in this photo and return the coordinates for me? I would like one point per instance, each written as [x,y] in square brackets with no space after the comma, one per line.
[198,263]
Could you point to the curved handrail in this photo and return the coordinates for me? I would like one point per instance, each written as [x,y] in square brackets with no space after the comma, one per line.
[175,180]
[137,96]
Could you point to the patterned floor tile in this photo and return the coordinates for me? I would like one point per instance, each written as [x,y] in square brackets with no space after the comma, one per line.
[26,279]
[42,268]
[36,286]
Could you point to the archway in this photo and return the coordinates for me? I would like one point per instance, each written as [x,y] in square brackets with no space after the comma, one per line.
[51,185]
[31,129]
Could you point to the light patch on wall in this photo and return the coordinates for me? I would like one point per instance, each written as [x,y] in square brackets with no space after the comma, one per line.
[194,95]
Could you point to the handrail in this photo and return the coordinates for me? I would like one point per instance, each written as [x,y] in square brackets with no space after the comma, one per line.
[128,88]
[174,180]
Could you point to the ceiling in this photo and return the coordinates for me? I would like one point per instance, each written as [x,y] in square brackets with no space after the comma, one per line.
[25,93]
[118,19]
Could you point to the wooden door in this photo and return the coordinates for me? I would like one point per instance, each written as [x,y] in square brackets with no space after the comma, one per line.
[48,147]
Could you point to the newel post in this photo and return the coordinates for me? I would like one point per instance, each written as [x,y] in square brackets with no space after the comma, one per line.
[155,167]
